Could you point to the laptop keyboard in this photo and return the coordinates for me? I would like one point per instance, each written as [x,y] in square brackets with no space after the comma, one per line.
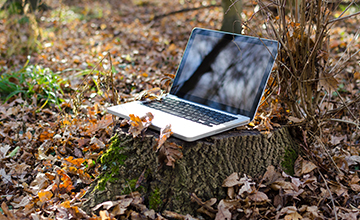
[190,112]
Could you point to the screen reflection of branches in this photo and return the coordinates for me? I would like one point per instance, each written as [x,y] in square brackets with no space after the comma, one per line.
[223,71]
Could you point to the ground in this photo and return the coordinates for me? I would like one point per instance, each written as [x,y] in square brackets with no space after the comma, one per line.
[54,127]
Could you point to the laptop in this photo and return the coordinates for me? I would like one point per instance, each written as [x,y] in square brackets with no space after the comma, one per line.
[217,87]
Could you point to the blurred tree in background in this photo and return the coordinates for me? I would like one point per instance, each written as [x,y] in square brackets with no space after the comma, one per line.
[231,20]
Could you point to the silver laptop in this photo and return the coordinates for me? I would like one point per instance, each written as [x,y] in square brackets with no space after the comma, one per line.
[217,87]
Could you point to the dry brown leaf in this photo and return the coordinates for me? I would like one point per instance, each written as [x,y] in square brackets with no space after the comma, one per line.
[339,190]
[293,216]
[231,192]
[258,196]
[246,188]
[352,160]
[235,180]
[165,133]
[7,212]
[271,175]
[288,210]
[311,212]
[121,207]
[205,206]
[22,203]
[169,153]
[6,178]
[295,119]
[105,122]
[281,184]
[302,166]
[357,75]
[104,215]
[328,82]
[139,125]
[207,209]
[223,210]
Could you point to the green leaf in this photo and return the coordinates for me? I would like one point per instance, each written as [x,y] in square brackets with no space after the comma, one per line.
[13,153]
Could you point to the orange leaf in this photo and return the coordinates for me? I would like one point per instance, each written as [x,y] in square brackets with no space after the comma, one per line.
[66,185]
[357,75]
[45,135]
[77,162]
[44,195]
[138,125]
[164,135]
[66,204]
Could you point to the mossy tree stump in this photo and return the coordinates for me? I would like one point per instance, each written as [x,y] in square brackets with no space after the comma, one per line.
[202,170]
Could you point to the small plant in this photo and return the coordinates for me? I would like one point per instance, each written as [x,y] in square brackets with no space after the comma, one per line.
[306,72]
[33,81]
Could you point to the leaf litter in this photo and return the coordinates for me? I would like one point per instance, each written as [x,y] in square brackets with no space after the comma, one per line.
[49,157]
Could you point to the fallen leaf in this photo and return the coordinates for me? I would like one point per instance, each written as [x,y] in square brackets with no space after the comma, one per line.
[139,125]
[5,177]
[246,187]
[302,166]
[271,175]
[105,122]
[258,196]
[295,119]
[24,201]
[223,211]
[6,211]
[352,160]
[169,153]
[44,195]
[233,180]
[4,150]
[165,133]
[104,215]
[328,82]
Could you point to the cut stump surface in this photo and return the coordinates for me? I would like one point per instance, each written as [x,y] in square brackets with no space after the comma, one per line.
[205,165]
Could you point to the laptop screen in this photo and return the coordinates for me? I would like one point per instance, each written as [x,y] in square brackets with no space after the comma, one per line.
[225,71]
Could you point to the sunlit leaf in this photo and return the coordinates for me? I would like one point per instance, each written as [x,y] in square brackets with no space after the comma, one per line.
[77,162]
[164,135]
[44,195]
[138,125]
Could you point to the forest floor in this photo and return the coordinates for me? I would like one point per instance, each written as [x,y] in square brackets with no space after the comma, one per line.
[54,125]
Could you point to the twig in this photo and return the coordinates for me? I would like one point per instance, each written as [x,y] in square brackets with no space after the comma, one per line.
[327,152]
[196,199]
[345,121]
[342,18]
[183,10]
[334,111]
[347,49]
[331,197]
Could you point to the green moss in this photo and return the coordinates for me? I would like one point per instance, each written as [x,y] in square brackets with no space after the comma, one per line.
[113,156]
[288,160]
[111,161]
[130,186]
[155,200]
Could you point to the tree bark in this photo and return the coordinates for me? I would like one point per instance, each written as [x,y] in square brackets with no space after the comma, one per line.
[19,4]
[231,19]
[204,166]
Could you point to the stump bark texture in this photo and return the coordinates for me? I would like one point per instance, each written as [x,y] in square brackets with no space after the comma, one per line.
[204,166]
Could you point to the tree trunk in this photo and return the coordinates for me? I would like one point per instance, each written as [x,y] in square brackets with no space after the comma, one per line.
[19,4]
[204,166]
[231,20]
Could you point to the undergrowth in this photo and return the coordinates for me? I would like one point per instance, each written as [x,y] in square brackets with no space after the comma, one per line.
[37,85]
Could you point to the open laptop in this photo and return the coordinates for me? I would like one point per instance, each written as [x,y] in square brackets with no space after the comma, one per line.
[217,87]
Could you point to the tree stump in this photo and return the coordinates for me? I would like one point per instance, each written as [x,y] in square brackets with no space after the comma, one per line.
[205,165]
